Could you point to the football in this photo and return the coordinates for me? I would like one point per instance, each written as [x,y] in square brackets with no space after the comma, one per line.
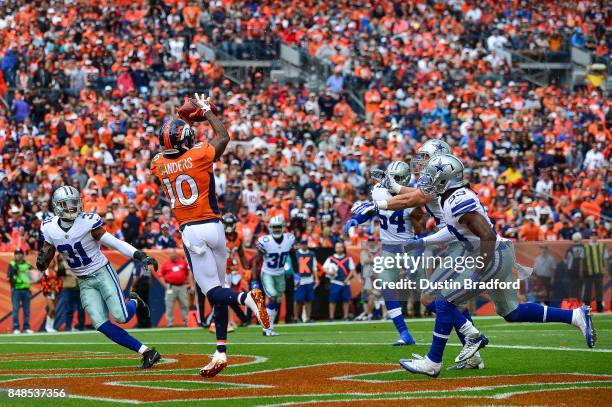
[191,113]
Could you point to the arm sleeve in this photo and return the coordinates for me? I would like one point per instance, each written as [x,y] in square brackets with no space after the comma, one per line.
[122,247]
[441,236]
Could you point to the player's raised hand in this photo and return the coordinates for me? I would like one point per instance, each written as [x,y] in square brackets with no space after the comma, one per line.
[146,260]
[202,102]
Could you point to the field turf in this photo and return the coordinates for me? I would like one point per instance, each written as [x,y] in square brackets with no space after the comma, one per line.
[323,364]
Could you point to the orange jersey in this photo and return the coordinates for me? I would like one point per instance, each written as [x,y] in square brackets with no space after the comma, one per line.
[189,183]
[233,245]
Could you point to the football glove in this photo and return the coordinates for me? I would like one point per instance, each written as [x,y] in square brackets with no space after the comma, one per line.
[352,223]
[254,284]
[146,260]
[365,209]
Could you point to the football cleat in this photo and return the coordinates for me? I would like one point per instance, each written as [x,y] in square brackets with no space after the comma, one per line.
[472,345]
[475,362]
[270,332]
[583,321]
[141,308]
[421,365]
[215,366]
[16,332]
[149,358]
[256,302]
[29,331]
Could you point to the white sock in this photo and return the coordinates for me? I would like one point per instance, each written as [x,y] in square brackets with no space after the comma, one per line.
[576,314]
[49,323]
[272,313]
[468,329]
[143,348]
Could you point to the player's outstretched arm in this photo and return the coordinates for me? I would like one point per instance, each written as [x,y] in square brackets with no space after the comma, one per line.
[101,235]
[222,137]
[45,256]
[481,228]
[413,199]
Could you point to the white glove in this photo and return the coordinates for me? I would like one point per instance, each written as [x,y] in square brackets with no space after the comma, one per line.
[202,102]
[199,250]
[393,186]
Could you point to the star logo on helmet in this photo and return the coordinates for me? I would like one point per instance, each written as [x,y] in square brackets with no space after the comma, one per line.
[439,147]
[439,167]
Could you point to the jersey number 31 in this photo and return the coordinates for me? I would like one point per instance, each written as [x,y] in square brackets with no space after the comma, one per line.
[78,259]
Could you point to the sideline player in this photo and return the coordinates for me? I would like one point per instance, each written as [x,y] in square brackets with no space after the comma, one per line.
[396,228]
[77,236]
[340,269]
[408,197]
[184,169]
[236,254]
[274,250]
[468,222]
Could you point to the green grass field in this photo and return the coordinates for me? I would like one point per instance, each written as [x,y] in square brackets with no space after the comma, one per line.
[545,364]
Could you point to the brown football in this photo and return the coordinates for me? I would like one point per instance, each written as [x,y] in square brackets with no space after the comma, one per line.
[191,113]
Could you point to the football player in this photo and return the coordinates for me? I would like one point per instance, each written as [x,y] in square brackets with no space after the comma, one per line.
[403,197]
[274,251]
[184,169]
[306,279]
[396,228]
[77,235]
[468,222]
[236,254]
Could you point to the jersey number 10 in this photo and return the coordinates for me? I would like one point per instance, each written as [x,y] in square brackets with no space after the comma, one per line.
[178,185]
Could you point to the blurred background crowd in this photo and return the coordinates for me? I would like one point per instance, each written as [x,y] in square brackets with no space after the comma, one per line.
[84,85]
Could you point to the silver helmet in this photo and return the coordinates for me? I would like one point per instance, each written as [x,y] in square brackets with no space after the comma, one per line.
[440,174]
[399,171]
[277,226]
[67,203]
[429,150]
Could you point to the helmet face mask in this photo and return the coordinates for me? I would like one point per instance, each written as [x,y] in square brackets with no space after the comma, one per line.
[229,223]
[440,174]
[67,203]
[277,227]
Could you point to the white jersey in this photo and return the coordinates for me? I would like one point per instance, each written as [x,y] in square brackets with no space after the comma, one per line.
[460,202]
[77,245]
[275,254]
[395,226]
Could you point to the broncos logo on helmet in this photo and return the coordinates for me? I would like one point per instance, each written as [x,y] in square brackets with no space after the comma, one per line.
[176,136]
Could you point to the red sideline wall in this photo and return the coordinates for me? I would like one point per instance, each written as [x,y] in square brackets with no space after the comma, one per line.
[526,253]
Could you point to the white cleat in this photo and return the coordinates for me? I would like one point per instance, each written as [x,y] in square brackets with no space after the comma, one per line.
[216,365]
[29,331]
[270,332]
[256,302]
[16,332]
[473,344]
[51,330]
[475,362]
[582,320]
[421,365]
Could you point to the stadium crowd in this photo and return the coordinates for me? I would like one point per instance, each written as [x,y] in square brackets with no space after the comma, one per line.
[81,106]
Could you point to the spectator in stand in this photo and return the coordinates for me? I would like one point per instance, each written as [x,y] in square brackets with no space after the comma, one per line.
[70,296]
[19,272]
[165,239]
[178,283]
[596,261]
[544,268]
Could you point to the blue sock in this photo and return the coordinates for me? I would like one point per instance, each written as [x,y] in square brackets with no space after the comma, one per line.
[442,329]
[431,307]
[120,336]
[220,295]
[131,308]
[221,319]
[394,310]
[466,314]
[532,312]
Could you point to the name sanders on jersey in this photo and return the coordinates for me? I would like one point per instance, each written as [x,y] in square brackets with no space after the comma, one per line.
[175,166]
[425,284]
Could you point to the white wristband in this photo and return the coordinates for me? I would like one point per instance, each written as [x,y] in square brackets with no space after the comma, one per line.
[382,204]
